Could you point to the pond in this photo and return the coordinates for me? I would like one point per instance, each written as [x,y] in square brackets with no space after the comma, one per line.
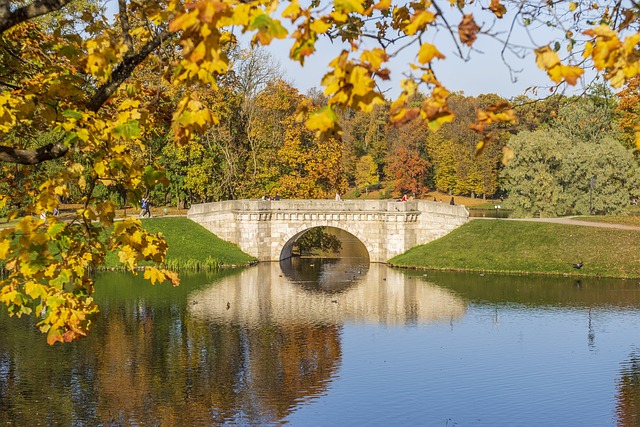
[331,342]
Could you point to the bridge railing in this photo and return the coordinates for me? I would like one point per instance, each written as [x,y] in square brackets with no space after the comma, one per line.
[324,205]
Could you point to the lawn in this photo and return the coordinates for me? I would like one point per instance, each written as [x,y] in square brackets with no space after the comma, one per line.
[530,247]
[191,245]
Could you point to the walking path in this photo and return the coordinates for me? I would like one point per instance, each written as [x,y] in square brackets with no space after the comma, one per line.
[571,221]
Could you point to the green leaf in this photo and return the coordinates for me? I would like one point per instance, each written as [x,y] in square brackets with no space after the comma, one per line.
[128,130]
[153,177]
[55,229]
[72,114]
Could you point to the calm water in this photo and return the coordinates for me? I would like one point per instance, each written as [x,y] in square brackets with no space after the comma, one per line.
[333,343]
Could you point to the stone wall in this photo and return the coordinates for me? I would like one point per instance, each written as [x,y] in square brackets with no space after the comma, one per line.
[268,229]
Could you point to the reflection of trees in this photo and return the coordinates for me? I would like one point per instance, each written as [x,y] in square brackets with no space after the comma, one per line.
[298,366]
[153,364]
[317,240]
[628,397]
[539,290]
[41,385]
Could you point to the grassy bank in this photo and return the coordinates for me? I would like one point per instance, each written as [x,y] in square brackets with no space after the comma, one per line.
[530,247]
[190,245]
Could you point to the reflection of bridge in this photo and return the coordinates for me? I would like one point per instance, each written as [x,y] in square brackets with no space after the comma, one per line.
[262,294]
[268,229]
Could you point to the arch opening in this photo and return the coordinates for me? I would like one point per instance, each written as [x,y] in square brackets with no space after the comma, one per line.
[350,245]
[325,268]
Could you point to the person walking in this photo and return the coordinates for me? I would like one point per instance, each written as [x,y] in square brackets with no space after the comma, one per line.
[144,204]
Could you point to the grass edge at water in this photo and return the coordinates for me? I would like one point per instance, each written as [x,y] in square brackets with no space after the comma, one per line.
[519,247]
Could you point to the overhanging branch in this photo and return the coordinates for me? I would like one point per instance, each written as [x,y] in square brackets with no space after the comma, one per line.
[9,19]
[123,70]
[121,73]
[32,157]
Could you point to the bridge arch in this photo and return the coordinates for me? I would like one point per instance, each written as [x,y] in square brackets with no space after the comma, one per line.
[285,245]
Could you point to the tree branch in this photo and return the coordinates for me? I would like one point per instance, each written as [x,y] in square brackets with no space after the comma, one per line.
[124,70]
[9,19]
[104,92]
[32,157]
[124,24]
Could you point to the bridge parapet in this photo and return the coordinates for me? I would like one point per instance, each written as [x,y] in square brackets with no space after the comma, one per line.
[267,229]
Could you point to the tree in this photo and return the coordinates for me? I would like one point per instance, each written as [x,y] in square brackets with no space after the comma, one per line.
[628,111]
[533,177]
[366,172]
[70,73]
[407,164]
[551,175]
[613,169]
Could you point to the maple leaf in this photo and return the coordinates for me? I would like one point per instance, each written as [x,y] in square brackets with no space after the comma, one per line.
[428,52]
[468,30]
[154,275]
[497,8]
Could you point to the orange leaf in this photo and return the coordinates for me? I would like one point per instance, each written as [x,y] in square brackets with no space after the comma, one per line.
[468,30]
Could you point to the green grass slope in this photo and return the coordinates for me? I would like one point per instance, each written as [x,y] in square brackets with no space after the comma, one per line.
[530,247]
[190,245]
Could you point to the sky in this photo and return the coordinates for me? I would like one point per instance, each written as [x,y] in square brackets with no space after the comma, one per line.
[483,72]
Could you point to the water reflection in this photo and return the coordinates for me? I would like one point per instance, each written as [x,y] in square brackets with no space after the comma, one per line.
[381,295]
[271,346]
[628,396]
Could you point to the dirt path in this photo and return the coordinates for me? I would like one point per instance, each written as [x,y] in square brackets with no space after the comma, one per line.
[570,221]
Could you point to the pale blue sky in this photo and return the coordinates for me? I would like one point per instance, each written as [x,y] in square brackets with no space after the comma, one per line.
[484,72]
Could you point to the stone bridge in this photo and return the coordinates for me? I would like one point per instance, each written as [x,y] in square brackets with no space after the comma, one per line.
[267,229]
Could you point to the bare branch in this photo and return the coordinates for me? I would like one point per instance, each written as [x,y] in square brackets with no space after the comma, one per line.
[9,19]
[32,157]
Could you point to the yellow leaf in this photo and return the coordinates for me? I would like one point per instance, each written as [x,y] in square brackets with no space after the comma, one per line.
[361,81]
[349,6]
[154,275]
[565,72]
[198,53]
[375,57]
[419,21]
[428,52]
[292,11]
[573,6]
[319,26]
[184,21]
[34,290]
[322,120]
[100,168]
[5,245]
[546,58]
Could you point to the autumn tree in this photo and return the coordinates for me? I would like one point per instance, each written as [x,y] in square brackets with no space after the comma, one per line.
[364,134]
[407,165]
[366,172]
[628,111]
